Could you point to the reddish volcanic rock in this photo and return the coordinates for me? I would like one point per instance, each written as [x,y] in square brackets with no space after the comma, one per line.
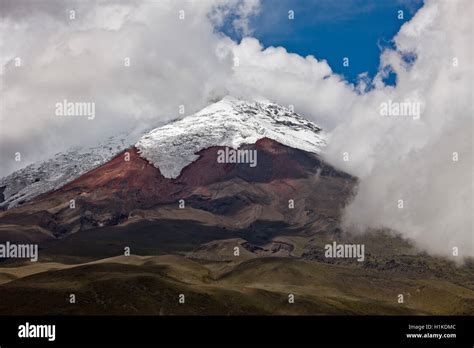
[127,175]
[108,194]
[139,179]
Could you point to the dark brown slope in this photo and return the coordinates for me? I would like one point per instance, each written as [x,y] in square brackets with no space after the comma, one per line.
[112,193]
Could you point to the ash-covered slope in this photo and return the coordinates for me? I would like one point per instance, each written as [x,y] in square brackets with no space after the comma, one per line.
[229,122]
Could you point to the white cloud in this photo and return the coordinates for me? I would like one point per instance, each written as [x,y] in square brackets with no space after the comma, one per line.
[413,159]
[288,78]
[394,157]
[173,63]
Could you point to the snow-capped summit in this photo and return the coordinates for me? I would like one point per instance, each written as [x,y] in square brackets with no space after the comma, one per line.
[229,122]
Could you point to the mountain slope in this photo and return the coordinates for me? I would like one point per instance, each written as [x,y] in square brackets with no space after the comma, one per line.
[129,186]
[229,122]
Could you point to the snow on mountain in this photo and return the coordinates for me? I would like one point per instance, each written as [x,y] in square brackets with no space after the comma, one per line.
[40,177]
[229,122]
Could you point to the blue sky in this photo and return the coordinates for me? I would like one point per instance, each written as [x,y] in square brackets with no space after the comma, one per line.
[332,30]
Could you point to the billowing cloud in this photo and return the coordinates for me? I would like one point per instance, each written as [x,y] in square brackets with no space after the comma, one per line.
[425,162]
[306,83]
[415,170]
[78,51]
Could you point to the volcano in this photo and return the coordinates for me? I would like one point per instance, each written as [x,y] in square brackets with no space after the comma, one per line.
[177,167]
[232,207]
